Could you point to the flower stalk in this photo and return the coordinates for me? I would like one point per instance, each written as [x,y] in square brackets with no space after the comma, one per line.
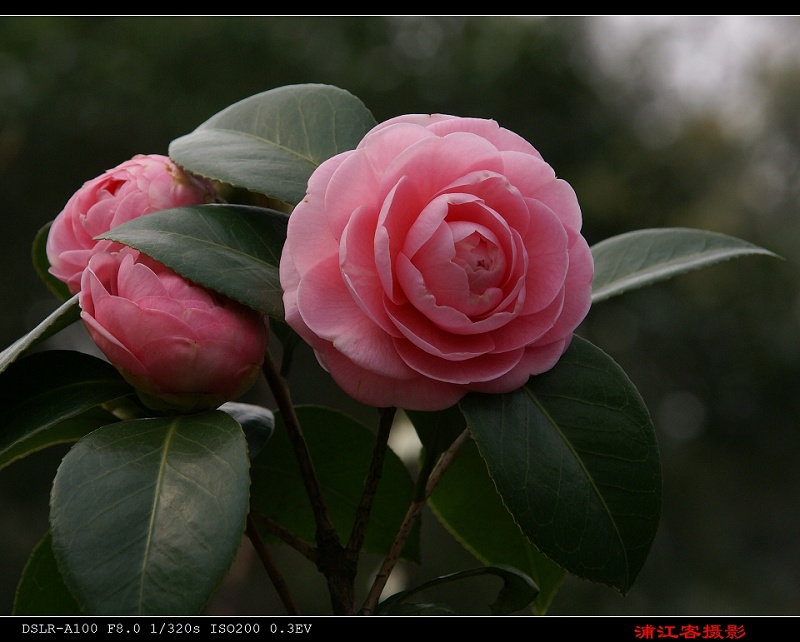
[412,515]
[333,561]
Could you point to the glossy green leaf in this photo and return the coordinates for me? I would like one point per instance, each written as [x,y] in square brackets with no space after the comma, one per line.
[271,142]
[639,258]
[232,249]
[573,454]
[66,314]
[341,449]
[41,264]
[53,397]
[41,589]
[517,592]
[257,424]
[63,431]
[148,514]
[466,501]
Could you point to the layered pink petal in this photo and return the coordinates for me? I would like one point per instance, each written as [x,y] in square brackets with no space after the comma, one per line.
[140,186]
[330,313]
[180,346]
[440,256]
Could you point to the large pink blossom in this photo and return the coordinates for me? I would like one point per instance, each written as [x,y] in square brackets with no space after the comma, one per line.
[144,184]
[441,256]
[184,348]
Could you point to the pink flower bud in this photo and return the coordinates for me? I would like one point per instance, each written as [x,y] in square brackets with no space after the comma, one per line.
[139,186]
[184,348]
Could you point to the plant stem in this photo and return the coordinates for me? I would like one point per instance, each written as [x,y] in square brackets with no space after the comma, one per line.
[371,481]
[301,546]
[333,561]
[274,574]
[412,514]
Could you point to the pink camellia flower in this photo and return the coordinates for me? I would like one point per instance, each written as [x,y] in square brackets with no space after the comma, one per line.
[440,256]
[181,346]
[144,184]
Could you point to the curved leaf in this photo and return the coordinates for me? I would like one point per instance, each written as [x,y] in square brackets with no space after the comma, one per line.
[53,397]
[517,591]
[341,449]
[66,314]
[574,456]
[41,589]
[147,515]
[232,249]
[271,142]
[639,258]
[466,501]
[257,424]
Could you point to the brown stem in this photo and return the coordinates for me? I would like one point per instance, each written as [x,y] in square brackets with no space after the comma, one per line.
[412,514]
[300,545]
[272,570]
[295,433]
[371,481]
[333,561]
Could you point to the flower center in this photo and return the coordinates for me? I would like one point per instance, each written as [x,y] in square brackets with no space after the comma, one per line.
[479,255]
[476,256]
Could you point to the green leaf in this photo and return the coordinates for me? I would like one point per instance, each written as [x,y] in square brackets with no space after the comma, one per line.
[62,431]
[573,454]
[41,589]
[53,397]
[341,449]
[41,264]
[65,315]
[518,590]
[257,424]
[232,249]
[466,501]
[272,142]
[148,514]
[636,259]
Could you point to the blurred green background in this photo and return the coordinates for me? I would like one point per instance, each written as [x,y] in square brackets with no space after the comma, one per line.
[682,122]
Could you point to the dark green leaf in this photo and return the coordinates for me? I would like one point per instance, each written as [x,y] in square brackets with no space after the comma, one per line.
[517,591]
[573,454]
[636,259]
[61,431]
[257,423]
[41,589]
[341,449]
[148,514]
[65,315]
[53,397]
[466,501]
[42,264]
[271,142]
[232,249]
